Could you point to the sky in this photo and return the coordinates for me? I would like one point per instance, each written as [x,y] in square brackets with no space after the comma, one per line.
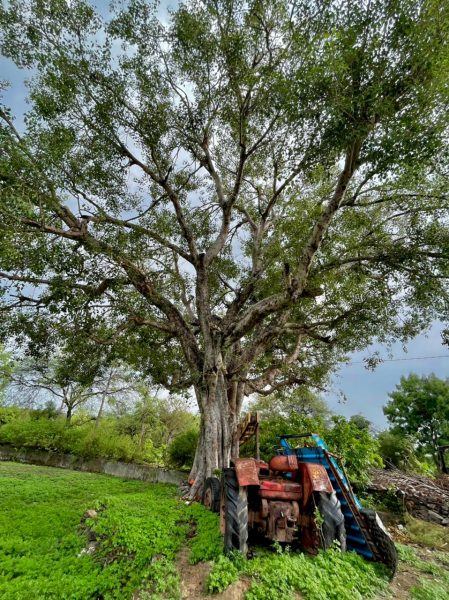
[367,391]
[354,389]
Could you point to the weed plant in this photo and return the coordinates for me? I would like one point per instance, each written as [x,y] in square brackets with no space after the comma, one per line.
[434,584]
[140,527]
[331,575]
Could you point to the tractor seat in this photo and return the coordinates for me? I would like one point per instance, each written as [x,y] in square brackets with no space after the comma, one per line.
[280,490]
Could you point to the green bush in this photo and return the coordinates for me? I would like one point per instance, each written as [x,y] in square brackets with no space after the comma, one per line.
[42,430]
[358,449]
[182,449]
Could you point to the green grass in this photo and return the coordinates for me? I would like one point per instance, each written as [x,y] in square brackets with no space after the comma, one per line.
[427,534]
[331,575]
[435,588]
[140,528]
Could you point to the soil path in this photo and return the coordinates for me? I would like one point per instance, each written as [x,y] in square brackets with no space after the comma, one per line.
[194,577]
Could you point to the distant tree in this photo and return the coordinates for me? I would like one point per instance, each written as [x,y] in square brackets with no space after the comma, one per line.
[419,406]
[71,381]
[154,418]
[399,450]
[190,188]
[360,422]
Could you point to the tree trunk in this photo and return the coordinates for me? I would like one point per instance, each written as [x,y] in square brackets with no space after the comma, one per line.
[220,405]
[103,399]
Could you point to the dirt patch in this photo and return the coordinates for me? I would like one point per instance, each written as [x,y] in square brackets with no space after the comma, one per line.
[404,580]
[194,577]
[408,576]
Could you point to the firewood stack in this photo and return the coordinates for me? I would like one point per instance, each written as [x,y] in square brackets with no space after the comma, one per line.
[422,497]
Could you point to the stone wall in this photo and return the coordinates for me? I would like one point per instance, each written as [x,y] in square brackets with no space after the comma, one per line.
[424,498]
[94,465]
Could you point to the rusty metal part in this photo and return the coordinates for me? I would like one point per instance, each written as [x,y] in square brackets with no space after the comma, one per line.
[284,464]
[282,521]
[314,479]
[280,489]
[247,471]
[308,533]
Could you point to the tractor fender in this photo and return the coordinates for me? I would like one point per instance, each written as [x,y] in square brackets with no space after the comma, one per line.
[247,471]
[314,478]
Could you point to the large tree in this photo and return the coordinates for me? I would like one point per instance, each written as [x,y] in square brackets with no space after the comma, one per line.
[234,198]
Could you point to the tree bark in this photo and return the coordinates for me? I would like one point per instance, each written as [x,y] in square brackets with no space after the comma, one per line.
[103,399]
[220,403]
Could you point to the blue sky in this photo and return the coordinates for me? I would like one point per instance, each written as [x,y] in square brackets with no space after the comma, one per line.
[365,391]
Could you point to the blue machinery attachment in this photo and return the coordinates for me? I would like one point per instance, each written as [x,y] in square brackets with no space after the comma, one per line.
[365,533]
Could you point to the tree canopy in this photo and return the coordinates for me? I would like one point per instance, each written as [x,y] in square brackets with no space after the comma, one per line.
[419,406]
[233,199]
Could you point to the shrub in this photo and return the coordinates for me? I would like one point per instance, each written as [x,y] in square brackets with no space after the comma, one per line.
[357,447]
[39,430]
[182,449]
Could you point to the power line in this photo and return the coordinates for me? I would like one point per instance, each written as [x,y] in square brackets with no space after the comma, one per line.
[382,360]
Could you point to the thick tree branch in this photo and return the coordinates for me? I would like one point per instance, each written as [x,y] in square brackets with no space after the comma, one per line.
[276,302]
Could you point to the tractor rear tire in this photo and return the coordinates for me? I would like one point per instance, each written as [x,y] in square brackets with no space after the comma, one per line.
[211,494]
[333,525]
[235,514]
[382,540]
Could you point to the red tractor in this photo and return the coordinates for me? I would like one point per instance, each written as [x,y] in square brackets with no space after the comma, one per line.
[302,497]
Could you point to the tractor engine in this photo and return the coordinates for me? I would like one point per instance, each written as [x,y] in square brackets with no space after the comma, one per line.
[280,497]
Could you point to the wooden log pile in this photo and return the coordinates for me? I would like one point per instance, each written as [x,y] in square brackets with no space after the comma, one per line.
[422,497]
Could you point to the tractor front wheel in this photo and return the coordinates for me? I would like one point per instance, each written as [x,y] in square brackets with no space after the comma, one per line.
[211,494]
[332,526]
[382,540]
[235,508]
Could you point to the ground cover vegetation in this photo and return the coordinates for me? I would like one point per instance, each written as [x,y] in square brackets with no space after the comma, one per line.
[434,583]
[230,200]
[330,575]
[42,545]
[139,529]
[48,550]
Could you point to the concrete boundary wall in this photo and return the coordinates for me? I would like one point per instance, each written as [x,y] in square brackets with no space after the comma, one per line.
[94,465]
